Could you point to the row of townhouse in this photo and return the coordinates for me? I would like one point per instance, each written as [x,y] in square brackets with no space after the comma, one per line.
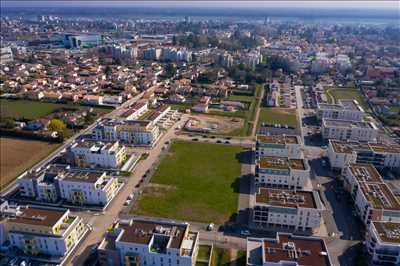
[135,111]
[61,183]
[88,153]
[147,242]
[135,132]
[378,208]
[349,130]
[40,233]
[341,153]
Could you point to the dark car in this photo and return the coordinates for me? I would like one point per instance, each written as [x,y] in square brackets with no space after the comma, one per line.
[195,139]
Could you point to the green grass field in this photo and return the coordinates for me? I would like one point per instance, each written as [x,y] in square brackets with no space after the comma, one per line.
[220,257]
[195,182]
[346,93]
[278,116]
[18,109]
[242,98]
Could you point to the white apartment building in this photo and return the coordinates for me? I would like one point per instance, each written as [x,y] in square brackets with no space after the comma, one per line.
[39,231]
[135,111]
[148,243]
[348,110]
[383,243]
[87,188]
[349,130]
[136,132]
[287,249]
[286,209]
[89,153]
[374,200]
[59,182]
[281,172]
[279,145]
[340,153]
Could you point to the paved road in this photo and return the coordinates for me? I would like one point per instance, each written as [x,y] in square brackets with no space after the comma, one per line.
[258,109]
[101,222]
[12,186]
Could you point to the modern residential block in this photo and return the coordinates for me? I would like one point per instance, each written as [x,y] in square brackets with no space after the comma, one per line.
[59,182]
[279,145]
[286,209]
[349,110]
[89,153]
[383,243]
[128,132]
[287,249]
[40,231]
[281,172]
[374,200]
[340,153]
[138,242]
[349,130]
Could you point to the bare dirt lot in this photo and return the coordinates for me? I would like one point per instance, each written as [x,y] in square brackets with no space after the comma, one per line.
[18,155]
[217,124]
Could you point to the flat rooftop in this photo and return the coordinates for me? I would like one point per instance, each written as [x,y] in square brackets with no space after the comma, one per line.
[348,147]
[37,216]
[351,105]
[141,232]
[365,173]
[302,250]
[81,176]
[273,162]
[286,198]
[278,139]
[388,232]
[379,196]
[346,124]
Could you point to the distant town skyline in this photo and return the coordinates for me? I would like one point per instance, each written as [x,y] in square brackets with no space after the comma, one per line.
[202,3]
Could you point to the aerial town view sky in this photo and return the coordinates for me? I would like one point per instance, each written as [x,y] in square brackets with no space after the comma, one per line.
[194,133]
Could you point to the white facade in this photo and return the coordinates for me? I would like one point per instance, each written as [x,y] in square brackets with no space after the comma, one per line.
[349,130]
[383,243]
[300,210]
[281,172]
[374,200]
[89,153]
[129,132]
[348,110]
[148,243]
[40,231]
[97,189]
[281,146]
[340,153]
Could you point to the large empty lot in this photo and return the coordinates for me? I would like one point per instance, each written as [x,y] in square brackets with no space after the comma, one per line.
[283,116]
[18,155]
[18,109]
[194,182]
[346,93]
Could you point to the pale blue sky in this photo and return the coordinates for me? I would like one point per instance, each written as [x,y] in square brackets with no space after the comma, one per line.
[197,3]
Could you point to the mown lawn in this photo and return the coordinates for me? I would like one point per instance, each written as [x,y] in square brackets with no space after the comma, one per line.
[281,116]
[18,109]
[195,182]
[346,94]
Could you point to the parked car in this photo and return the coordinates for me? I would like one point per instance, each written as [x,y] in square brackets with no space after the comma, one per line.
[245,232]
[210,227]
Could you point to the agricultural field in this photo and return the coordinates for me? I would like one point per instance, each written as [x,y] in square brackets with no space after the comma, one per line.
[194,182]
[18,109]
[278,116]
[334,95]
[17,156]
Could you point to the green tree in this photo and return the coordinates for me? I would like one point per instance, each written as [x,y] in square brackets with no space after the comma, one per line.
[57,125]
[170,70]
[108,71]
